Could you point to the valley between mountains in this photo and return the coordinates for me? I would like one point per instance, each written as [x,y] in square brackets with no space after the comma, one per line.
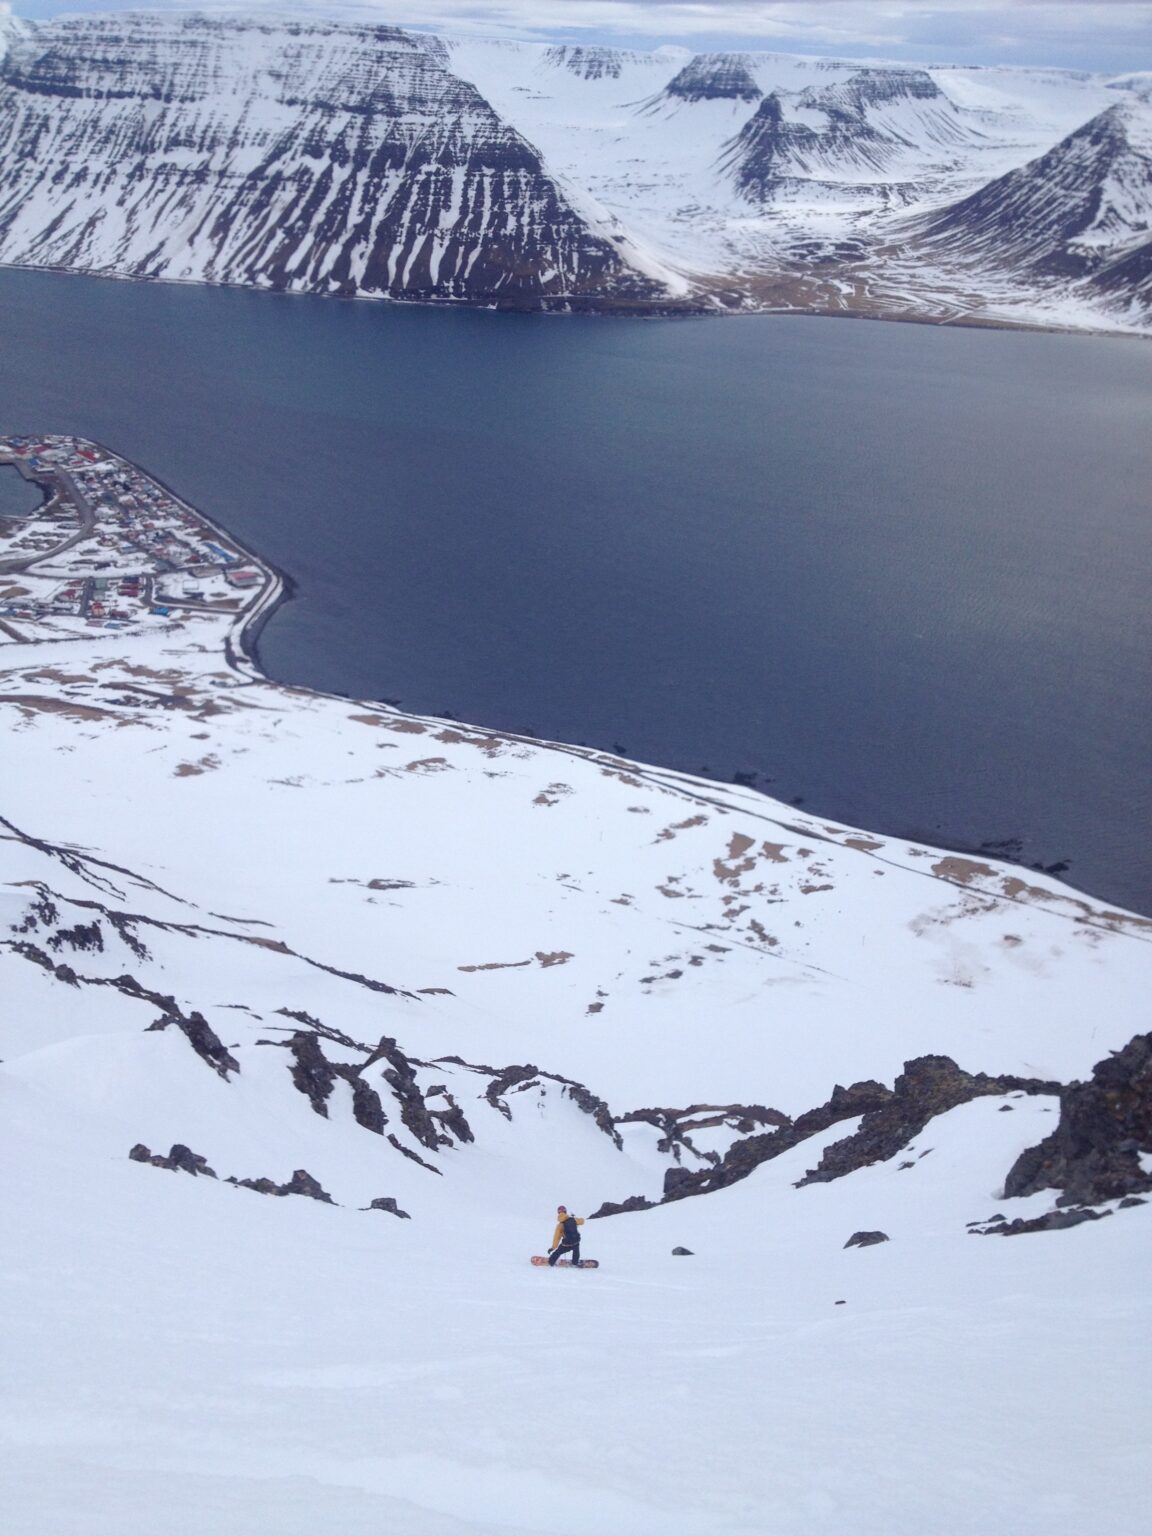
[328,157]
[315,1010]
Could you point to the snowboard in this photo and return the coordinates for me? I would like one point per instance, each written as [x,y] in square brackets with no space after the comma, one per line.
[539,1258]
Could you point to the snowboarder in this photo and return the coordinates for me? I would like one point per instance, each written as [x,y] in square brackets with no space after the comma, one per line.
[566,1238]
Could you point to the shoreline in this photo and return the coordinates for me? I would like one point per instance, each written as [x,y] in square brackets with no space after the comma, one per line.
[240,650]
[604,307]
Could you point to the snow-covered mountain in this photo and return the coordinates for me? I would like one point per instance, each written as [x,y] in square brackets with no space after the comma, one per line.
[314,1011]
[339,158]
[1082,211]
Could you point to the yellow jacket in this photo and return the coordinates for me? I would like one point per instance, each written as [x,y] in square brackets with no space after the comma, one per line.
[558,1235]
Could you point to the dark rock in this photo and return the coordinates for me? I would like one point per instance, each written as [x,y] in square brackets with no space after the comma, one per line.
[867,1239]
[675,1177]
[586,1100]
[180,1159]
[744,1156]
[837,1303]
[401,1078]
[682,1253]
[187,1161]
[612,1208]
[928,1086]
[509,1078]
[302,1183]
[1051,1221]
[1105,1123]
[196,1030]
[84,936]
[452,1119]
[1130,1200]
[261,1186]
[312,1072]
[412,1156]
[387,1203]
[367,1109]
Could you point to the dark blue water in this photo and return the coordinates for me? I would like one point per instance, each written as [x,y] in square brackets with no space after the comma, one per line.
[17,496]
[898,573]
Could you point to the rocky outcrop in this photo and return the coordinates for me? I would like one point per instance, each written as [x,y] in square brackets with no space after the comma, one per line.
[315,1076]
[677,1125]
[714,77]
[867,1239]
[313,157]
[510,1077]
[746,1155]
[88,937]
[401,1078]
[928,1086]
[622,1207]
[312,1073]
[301,1183]
[1105,1125]
[180,1159]
[387,1203]
[595,1106]
[202,1038]
[1051,1221]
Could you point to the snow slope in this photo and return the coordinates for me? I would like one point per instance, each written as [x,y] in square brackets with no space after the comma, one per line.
[434,965]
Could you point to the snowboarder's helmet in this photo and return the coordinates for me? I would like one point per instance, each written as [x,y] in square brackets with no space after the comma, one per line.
[562,1208]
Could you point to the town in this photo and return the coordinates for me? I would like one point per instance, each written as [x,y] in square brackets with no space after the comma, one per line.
[109,548]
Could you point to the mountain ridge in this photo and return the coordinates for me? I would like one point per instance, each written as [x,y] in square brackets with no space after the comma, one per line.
[341,158]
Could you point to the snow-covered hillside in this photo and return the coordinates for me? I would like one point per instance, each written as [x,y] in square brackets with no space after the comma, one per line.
[335,158]
[409,984]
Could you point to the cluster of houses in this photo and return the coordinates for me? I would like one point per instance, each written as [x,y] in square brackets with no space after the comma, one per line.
[111,547]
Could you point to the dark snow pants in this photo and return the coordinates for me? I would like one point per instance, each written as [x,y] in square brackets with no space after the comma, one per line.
[566,1249]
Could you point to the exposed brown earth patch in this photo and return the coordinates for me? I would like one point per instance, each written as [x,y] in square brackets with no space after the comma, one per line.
[553,794]
[203,765]
[962,871]
[496,965]
[31,704]
[668,833]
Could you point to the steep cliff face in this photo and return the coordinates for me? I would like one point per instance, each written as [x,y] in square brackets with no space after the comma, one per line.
[312,158]
[876,123]
[715,77]
[1083,205]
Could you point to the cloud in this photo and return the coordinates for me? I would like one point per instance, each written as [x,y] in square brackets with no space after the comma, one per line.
[1107,34]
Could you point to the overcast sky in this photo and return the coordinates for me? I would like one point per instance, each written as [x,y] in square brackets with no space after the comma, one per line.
[1111,35]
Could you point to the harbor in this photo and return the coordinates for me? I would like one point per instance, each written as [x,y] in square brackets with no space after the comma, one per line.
[109,548]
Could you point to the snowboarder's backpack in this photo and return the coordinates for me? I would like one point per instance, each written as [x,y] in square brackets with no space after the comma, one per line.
[571,1230]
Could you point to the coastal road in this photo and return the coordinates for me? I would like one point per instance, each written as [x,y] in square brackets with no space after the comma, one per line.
[64,483]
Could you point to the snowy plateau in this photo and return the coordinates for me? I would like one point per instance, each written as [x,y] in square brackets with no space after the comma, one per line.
[314,1011]
[329,157]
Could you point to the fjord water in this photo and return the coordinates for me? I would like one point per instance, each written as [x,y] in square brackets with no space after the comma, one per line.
[17,496]
[898,573]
